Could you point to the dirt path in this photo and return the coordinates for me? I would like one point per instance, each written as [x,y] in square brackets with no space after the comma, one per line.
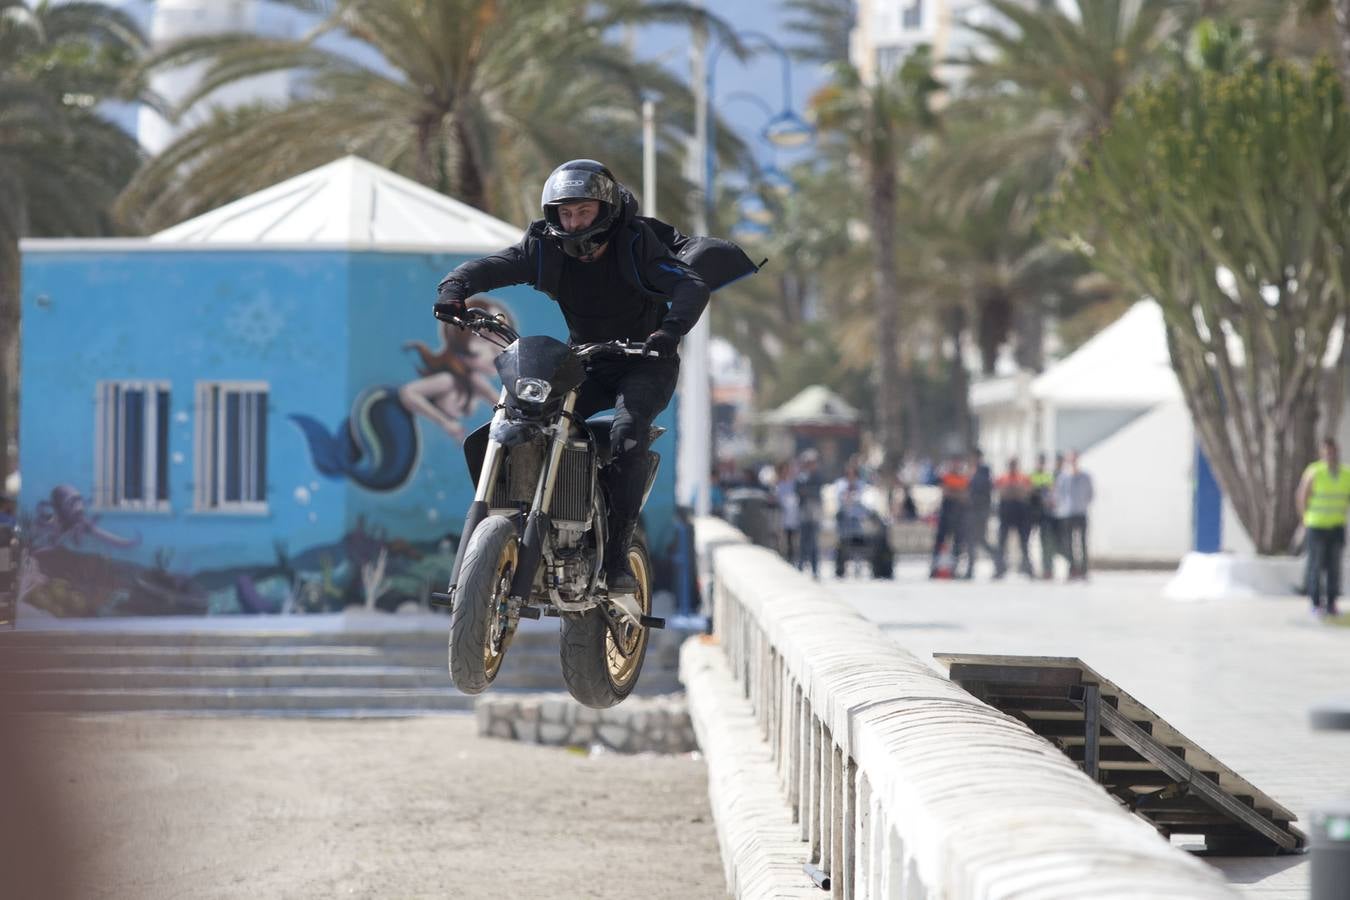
[297,808]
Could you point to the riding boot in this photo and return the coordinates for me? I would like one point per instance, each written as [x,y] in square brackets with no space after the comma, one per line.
[626,480]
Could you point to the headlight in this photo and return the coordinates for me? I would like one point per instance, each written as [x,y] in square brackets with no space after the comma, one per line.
[532,390]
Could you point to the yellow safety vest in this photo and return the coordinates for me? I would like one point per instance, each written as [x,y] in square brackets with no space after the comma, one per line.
[1329,498]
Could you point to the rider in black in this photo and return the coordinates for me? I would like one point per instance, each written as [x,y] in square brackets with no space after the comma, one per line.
[617,276]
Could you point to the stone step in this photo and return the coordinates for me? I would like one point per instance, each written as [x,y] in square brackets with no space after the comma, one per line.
[337,700]
[541,649]
[256,699]
[514,676]
[134,678]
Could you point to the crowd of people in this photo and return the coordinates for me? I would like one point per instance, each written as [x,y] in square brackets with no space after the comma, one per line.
[1046,507]
[1051,503]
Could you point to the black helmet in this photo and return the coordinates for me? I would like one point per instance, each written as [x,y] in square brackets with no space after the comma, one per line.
[582,179]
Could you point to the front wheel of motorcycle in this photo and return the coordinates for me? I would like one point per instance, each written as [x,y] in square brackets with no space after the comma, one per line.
[599,669]
[476,629]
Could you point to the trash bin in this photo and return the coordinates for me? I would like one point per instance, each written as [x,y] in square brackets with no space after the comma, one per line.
[1329,843]
[756,514]
[9,575]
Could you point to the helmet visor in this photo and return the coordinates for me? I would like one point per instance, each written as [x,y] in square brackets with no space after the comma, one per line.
[567,185]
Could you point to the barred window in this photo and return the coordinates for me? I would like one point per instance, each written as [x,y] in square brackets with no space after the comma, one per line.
[131,445]
[231,457]
[911,18]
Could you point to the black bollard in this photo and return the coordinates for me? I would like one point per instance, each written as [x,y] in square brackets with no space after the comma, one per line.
[1330,839]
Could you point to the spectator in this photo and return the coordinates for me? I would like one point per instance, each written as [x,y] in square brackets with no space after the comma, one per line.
[955,483]
[1014,515]
[850,512]
[1323,497]
[980,500]
[1042,511]
[809,485]
[785,490]
[1073,496]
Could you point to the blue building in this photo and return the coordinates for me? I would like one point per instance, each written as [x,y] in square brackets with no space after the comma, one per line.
[255,410]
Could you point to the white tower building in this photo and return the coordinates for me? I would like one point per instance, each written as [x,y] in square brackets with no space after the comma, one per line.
[173,20]
[887,31]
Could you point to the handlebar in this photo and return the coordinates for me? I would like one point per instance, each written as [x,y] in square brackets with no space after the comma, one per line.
[613,348]
[480,322]
[496,330]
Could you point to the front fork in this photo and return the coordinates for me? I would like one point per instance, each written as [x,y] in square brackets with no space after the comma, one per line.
[478,509]
[537,523]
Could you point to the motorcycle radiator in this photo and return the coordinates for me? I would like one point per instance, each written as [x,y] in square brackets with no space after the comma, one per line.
[571,489]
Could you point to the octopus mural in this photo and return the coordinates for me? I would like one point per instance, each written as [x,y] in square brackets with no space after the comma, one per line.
[62,521]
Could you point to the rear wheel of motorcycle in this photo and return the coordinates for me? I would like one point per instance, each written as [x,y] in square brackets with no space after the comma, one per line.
[599,670]
[476,639]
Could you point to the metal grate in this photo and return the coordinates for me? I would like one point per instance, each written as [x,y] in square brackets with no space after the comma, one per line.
[1147,765]
[571,489]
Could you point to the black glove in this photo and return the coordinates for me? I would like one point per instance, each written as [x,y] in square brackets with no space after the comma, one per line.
[448,306]
[661,343]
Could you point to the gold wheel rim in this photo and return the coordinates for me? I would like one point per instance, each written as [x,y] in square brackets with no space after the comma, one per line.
[506,569]
[622,659]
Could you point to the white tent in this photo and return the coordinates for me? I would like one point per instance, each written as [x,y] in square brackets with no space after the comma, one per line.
[349,204]
[1124,365]
[1116,400]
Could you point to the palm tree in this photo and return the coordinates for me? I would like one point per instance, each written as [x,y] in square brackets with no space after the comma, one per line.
[61,163]
[882,123]
[478,98]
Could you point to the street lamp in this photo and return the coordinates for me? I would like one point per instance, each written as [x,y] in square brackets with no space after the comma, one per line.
[785,129]
[772,177]
[695,453]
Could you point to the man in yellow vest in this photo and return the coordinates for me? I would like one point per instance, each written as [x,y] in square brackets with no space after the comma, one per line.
[1323,498]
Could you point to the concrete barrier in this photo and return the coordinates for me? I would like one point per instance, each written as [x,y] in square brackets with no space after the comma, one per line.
[901,784]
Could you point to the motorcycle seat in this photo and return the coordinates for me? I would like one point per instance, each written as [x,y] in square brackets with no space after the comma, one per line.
[599,425]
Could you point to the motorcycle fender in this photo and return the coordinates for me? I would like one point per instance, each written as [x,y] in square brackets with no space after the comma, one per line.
[478,510]
[653,463]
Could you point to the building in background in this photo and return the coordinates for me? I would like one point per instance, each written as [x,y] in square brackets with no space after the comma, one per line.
[255,411]
[1117,401]
[174,20]
[885,32]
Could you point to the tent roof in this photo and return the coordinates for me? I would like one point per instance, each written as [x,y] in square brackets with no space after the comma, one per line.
[349,203]
[814,405]
[1124,364]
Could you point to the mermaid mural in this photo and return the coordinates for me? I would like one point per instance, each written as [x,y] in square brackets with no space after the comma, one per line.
[378,445]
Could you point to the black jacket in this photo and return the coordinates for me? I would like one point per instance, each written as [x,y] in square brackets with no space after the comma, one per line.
[671,271]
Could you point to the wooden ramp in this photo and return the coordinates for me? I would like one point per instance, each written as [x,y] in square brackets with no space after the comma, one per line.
[1146,764]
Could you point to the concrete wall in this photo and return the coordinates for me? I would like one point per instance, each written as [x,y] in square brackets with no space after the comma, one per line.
[829,745]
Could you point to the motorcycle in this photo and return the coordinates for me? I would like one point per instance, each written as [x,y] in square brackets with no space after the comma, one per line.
[534,537]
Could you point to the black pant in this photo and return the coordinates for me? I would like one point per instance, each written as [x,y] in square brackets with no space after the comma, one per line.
[951,523]
[638,389]
[1324,559]
[977,535]
[1014,516]
[1073,533]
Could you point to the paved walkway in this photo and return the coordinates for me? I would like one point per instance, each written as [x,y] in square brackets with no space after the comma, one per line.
[1237,678]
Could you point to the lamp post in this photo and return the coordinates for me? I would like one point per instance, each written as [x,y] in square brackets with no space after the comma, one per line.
[693,469]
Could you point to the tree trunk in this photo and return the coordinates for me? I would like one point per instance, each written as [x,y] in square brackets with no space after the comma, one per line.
[9,358]
[1341,8]
[1257,451]
[471,178]
[886,301]
[1029,335]
[958,380]
[995,322]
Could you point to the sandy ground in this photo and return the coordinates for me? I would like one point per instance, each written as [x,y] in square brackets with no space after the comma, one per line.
[159,807]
